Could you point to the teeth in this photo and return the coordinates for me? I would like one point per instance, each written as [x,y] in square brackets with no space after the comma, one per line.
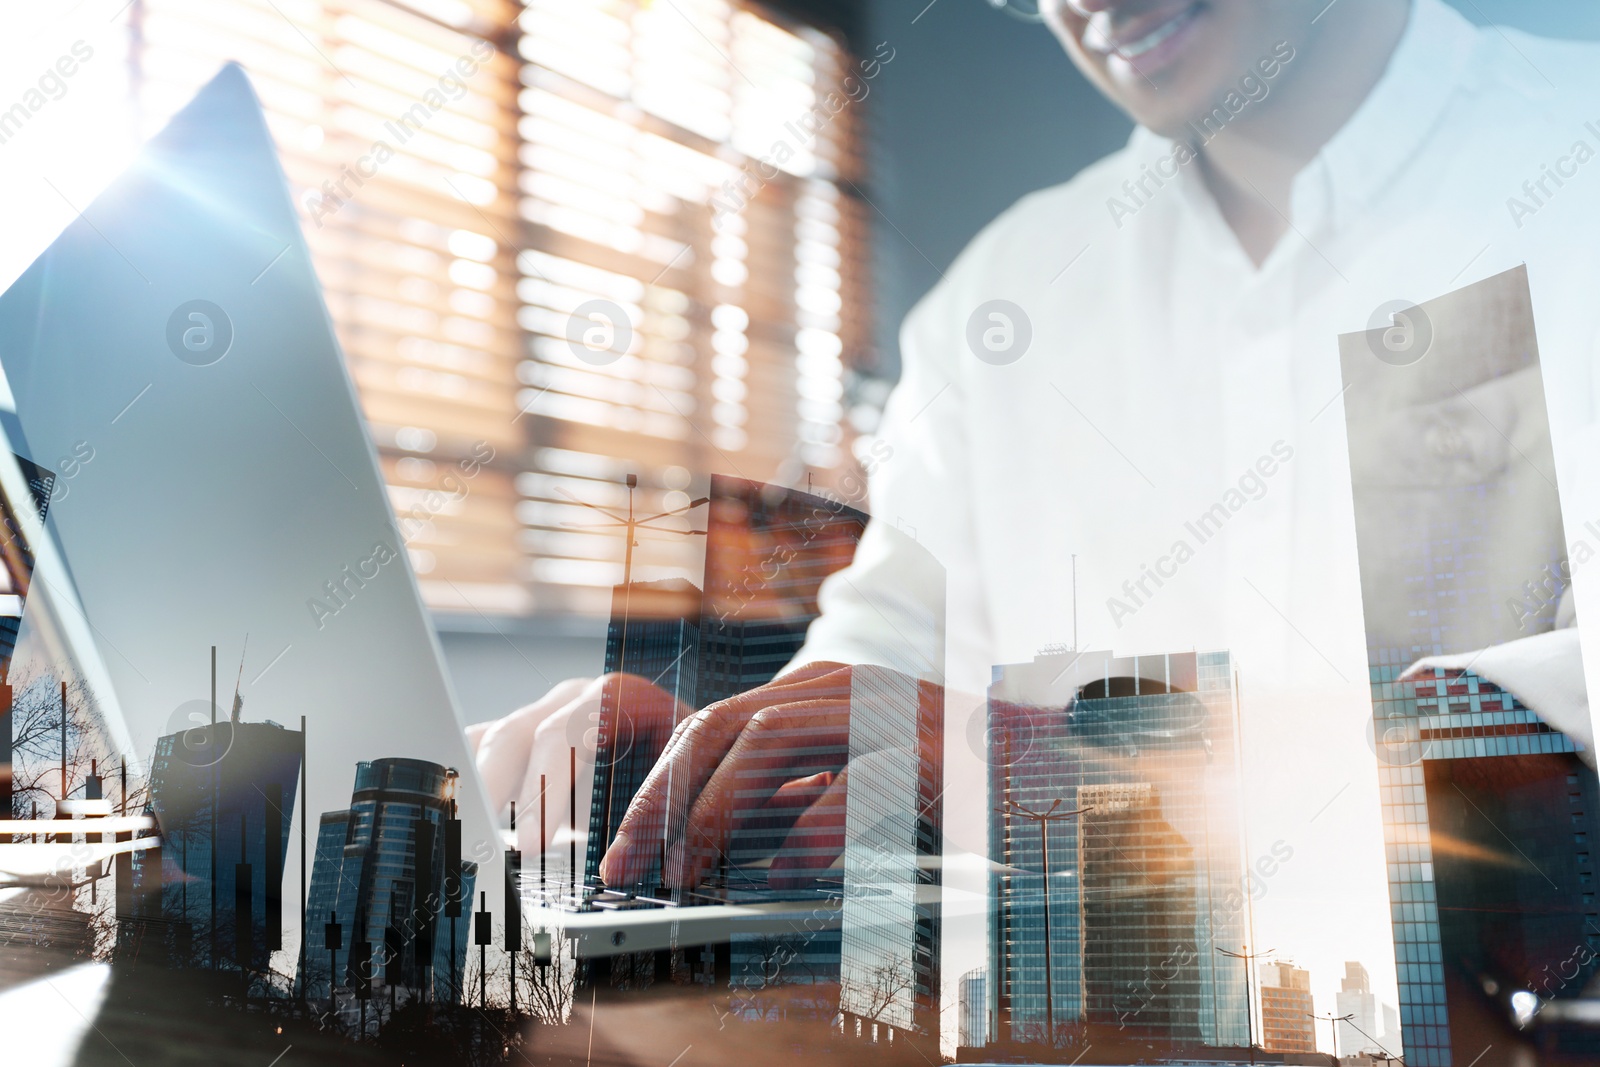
[1134,49]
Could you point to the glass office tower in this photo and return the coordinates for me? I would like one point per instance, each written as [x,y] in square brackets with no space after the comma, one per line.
[1360,1032]
[864,929]
[890,921]
[973,1005]
[224,796]
[1129,765]
[768,550]
[1136,899]
[1489,813]
[653,634]
[390,862]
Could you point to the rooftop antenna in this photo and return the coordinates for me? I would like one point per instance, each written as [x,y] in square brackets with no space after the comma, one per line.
[238,700]
[1074,602]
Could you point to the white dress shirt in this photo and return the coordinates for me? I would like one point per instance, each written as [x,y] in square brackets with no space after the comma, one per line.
[1163,368]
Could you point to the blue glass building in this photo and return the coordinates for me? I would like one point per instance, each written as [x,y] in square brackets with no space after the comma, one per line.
[1489,813]
[224,796]
[370,875]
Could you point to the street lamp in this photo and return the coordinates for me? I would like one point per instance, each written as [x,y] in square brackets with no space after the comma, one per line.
[1333,1028]
[1044,819]
[1248,957]
[631,525]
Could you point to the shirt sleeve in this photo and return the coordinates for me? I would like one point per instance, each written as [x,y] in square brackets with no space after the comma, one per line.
[913,590]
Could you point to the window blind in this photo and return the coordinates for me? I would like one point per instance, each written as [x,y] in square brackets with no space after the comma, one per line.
[561,243]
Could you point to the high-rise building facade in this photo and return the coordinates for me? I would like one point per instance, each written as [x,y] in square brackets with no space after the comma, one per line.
[212,895]
[973,1005]
[654,635]
[768,551]
[1287,1022]
[1127,767]
[893,840]
[1489,812]
[388,870]
[1137,878]
[1360,1032]
[872,869]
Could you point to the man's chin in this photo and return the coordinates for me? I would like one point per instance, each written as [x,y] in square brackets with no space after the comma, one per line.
[1178,125]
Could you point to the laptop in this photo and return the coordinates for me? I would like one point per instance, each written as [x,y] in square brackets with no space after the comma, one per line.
[177,330]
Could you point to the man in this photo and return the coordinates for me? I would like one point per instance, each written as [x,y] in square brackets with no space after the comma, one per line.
[1117,355]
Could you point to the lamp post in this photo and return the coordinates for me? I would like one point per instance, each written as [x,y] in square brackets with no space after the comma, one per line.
[1044,819]
[1333,1028]
[1248,957]
[630,524]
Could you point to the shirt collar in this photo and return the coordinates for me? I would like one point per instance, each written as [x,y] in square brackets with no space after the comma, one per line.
[1394,121]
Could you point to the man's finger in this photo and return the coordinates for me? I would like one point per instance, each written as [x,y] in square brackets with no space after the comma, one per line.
[813,851]
[815,848]
[502,747]
[697,746]
[778,744]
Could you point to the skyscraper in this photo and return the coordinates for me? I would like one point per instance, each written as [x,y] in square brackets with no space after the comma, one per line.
[973,1006]
[220,897]
[893,826]
[1141,882]
[1287,1023]
[1489,813]
[1360,1033]
[1390,1038]
[392,862]
[768,550]
[653,634]
[1136,901]
[871,875]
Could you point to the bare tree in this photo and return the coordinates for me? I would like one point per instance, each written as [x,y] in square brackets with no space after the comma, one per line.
[37,741]
[884,986]
[547,992]
[50,736]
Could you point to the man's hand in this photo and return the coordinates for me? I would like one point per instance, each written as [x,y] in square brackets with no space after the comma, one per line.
[758,780]
[538,740]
